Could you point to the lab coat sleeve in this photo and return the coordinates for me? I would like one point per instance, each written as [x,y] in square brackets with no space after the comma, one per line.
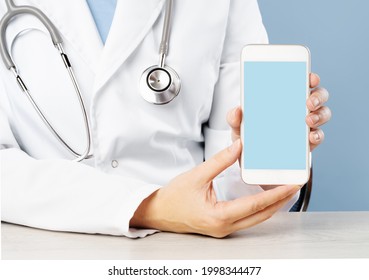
[244,27]
[65,196]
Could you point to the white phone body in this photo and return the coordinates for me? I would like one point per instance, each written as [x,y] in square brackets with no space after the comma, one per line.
[274,134]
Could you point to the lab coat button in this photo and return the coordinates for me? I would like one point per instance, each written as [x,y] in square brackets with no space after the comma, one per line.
[114,164]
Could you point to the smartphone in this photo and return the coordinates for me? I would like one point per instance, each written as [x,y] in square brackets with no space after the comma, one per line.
[274,134]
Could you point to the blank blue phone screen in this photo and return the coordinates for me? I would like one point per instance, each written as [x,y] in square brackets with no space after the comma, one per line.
[274,115]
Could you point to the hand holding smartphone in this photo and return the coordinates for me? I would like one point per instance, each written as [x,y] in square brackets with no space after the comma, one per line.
[275,87]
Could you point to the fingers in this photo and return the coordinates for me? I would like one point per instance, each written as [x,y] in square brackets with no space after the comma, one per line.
[314,80]
[209,169]
[234,119]
[243,207]
[318,117]
[316,137]
[261,216]
[319,114]
[317,98]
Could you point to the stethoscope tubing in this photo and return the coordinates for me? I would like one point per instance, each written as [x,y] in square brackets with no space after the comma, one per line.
[161,95]
[13,11]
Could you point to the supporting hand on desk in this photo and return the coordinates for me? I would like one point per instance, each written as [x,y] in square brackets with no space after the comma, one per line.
[188,203]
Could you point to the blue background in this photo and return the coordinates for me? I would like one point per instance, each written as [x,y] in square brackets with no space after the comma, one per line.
[337,33]
[275,89]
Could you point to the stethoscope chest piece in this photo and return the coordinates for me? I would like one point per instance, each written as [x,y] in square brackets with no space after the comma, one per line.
[159,85]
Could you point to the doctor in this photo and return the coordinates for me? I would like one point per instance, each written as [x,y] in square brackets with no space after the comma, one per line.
[147,172]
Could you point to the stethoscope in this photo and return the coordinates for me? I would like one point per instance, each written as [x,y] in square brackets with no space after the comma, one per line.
[159,84]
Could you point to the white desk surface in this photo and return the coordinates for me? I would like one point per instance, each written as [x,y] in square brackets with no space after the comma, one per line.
[286,235]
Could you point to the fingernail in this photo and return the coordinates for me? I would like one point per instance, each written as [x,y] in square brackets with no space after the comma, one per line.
[316,102]
[235,146]
[316,136]
[295,187]
[234,113]
[314,118]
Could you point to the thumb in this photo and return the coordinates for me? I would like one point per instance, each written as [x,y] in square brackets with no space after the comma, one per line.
[209,169]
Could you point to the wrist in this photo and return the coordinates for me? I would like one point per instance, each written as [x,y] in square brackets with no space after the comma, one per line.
[144,214]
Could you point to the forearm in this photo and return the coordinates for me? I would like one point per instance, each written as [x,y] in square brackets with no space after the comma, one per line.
[67,196]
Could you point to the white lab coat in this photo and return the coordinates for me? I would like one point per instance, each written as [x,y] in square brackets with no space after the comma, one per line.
[41,187]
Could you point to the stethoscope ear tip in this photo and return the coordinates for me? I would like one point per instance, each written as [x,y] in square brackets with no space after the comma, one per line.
[159,85]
